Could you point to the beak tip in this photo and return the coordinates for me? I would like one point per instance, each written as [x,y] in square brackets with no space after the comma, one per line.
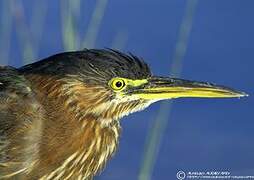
[242,94]
[246,95]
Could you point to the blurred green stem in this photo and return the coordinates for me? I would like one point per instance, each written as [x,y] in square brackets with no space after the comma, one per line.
[23,32]
[159,125]
[119,40]
[69,11]
[29,36]
[5,32]
[94,25]
[37,23]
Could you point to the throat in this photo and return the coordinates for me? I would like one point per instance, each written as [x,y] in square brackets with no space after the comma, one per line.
[86,152]
[99,143]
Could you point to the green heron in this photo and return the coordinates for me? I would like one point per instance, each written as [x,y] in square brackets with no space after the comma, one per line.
[60,117]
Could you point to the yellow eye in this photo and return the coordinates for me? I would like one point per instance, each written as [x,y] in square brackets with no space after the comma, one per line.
[117,84]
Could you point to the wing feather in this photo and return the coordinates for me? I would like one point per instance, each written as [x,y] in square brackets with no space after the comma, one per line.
[20,123]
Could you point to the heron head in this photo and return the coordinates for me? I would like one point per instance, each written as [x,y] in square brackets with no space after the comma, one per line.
[111,84]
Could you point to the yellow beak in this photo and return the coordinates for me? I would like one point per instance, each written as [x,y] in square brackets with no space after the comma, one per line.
[158,88]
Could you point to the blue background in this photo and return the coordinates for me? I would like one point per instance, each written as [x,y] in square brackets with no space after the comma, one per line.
[201,134]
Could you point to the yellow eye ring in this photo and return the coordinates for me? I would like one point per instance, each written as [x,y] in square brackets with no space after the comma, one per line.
[117,84]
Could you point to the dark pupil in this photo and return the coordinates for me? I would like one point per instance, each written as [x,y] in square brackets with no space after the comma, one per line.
[119,84]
